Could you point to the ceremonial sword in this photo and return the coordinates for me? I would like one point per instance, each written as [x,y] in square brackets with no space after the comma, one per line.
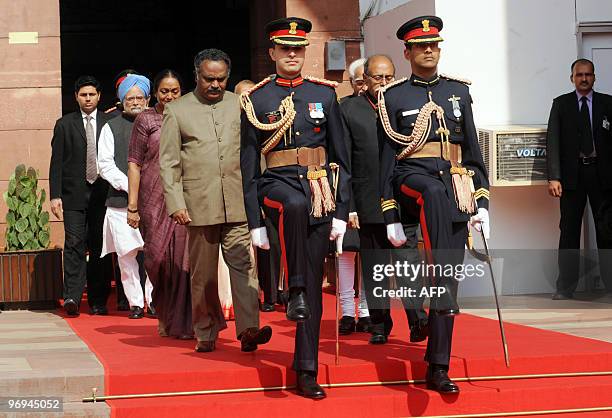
[486,257]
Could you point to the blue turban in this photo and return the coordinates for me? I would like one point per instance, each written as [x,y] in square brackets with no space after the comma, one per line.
[132,80]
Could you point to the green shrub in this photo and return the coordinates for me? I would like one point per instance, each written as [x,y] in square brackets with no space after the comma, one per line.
[27,225]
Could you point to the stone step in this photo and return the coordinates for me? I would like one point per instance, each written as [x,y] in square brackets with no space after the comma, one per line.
[40,355]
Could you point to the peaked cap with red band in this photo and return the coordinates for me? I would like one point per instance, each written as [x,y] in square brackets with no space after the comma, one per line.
[420,30]
[289,31]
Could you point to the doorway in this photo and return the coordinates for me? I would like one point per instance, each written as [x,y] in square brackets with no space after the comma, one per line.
[595,44]
[101,38]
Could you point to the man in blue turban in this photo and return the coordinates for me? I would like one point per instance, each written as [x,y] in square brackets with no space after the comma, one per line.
[118,236]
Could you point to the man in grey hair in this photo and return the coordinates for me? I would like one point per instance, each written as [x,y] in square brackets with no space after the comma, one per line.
[355,70]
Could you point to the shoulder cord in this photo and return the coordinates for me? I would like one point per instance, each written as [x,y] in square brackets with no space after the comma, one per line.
[421,130]
[287,111]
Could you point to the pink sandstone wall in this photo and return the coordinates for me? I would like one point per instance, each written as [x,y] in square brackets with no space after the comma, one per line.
[30,82]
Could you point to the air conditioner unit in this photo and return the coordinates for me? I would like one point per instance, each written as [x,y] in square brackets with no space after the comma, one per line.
[514,155]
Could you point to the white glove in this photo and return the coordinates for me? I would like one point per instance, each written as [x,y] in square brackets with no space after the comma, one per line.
[259,238]
[337,233]
[395,234]
[481,221]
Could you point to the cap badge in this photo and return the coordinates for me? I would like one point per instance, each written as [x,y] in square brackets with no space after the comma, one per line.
[425,25]
[292,28]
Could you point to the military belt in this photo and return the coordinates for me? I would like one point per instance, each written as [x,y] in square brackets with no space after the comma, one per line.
[446,151]
[302,156]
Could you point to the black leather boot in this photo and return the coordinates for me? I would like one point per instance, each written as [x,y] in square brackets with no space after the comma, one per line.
[297,308]
[438,380]
[307,385]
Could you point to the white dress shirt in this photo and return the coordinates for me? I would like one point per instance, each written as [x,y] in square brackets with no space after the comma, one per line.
[94,124]
[94,117]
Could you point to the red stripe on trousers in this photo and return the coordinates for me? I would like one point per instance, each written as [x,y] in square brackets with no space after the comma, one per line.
[281,232]
[419,200]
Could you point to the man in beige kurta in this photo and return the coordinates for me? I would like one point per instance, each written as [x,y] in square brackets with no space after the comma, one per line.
[200,170]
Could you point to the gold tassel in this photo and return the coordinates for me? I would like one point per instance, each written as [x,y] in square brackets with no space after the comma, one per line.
[328,199]
[462,186]
[316,198]
[322,199]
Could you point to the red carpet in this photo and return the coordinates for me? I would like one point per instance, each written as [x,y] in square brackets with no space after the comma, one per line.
[136,360]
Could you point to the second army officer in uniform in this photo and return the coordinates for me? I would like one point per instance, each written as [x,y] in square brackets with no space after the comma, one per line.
[295,123]
[431,165]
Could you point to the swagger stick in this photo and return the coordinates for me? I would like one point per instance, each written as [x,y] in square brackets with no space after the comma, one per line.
[336,255]
[499,314]
[487,259]
[336,174]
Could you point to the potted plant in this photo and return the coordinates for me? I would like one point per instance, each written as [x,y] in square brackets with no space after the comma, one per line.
[31,272]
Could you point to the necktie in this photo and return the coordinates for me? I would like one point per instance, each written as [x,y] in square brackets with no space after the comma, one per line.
[91,171]
[586,134]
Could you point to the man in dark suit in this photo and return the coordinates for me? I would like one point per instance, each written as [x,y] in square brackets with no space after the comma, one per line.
[77,197]
[359,115]
[579,154]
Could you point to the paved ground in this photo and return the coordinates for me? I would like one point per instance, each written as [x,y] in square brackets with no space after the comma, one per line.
[41,356]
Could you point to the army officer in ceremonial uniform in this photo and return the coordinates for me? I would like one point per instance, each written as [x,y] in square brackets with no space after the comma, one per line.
[431,164]
[295,122]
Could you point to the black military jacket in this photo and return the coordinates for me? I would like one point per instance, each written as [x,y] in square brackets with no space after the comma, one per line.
[317,123]
[403,103]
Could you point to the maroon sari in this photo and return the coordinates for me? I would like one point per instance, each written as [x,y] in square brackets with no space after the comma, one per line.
[165,249]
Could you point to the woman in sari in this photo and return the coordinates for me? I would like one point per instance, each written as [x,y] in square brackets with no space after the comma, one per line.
[165,242]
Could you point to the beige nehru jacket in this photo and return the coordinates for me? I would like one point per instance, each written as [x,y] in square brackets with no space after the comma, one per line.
[199,158]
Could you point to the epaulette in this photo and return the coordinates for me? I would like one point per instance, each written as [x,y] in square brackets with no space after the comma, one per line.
[395,83]
[328,83]
[460,80]
[258,85]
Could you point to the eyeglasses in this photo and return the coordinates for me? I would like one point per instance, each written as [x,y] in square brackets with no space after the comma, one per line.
[379,78]
[135,99]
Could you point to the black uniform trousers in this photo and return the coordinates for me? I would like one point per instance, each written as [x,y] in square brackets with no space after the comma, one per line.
[268,265]
[572,204]
[374,247]
[303,248]
[83,232]
[429,196]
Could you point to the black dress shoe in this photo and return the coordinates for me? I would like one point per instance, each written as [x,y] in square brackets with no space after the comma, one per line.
[378,339]
[561,296]
[252,337]
[438,380]
[151,312]
[297,308]
[184,337]
[363,325]
[448,312]
[347,325]
[123,306]
[266,307]
[282,298]
[71,307]
[419,331]
[98,310]
[205,346]
[136,312]
[308,387]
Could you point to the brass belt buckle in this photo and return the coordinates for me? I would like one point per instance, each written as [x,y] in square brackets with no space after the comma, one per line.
[302,156]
